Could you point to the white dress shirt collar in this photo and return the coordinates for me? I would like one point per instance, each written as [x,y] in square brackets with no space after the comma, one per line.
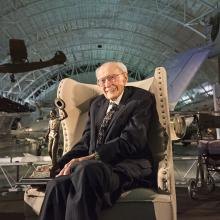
[117,101]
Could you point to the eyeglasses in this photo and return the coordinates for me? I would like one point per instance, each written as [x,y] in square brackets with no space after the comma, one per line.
[110,78]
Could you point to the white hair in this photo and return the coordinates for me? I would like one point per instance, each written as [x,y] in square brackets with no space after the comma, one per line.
[120,65]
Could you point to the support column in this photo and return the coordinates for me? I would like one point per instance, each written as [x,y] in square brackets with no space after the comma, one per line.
[216,97]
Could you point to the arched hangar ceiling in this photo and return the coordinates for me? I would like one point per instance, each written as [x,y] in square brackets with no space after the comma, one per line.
[143,34]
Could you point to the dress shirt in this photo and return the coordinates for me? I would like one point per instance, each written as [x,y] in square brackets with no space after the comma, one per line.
[117,101]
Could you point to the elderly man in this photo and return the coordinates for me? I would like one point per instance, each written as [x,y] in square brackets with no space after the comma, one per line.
[112,155]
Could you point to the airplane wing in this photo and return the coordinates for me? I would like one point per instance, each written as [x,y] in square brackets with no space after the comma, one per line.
[182,69]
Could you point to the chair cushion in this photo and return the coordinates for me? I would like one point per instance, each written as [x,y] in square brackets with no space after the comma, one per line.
[209,147]
[144,203]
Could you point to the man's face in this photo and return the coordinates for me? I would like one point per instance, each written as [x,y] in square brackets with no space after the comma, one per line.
[111,79]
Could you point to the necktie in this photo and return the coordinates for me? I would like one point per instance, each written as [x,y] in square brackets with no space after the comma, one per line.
[105,123]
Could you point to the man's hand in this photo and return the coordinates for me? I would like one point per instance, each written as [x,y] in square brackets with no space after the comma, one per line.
[67,168]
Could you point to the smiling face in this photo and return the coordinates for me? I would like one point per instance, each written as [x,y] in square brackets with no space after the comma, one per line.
[112,79]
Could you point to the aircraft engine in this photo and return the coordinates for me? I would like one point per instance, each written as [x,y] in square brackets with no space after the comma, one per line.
[178,127]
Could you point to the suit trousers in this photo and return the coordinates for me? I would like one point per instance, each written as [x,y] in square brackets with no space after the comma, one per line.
[91,186]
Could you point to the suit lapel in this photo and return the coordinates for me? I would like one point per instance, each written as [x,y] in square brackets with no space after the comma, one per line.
[126,95]
[99,114]
[122,104]
[115,116]
[101,109]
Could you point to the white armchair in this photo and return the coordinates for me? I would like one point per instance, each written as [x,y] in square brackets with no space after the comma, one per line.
[141,203]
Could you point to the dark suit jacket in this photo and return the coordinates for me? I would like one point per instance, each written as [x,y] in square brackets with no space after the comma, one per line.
[126,139]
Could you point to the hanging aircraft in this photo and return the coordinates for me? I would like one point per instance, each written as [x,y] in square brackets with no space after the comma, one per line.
[183,67]
[19,59]
[180,71]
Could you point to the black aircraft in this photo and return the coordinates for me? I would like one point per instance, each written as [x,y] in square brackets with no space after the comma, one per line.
[19,60]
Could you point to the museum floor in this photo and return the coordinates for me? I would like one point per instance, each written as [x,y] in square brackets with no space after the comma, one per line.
[205,208]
